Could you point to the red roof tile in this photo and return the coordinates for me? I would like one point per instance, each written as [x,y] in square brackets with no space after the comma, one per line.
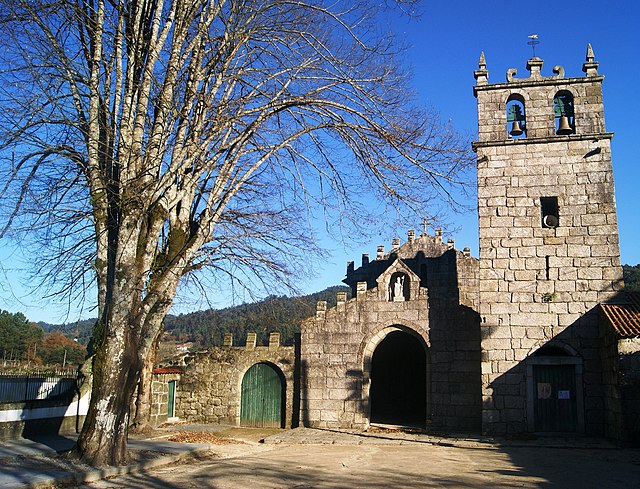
[624,317]
[168,370]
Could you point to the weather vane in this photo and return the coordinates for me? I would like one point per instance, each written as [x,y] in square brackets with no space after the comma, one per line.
[533,42]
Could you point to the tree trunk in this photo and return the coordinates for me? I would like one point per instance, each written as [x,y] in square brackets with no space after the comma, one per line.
[116,367]
[142,419]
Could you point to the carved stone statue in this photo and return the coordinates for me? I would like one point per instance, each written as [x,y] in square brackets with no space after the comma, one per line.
[398,289]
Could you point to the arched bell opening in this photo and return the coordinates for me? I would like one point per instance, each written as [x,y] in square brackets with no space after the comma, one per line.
[398,392]
[516,117]
[564,113]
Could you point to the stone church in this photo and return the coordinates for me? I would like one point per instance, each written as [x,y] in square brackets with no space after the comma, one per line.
[527,338]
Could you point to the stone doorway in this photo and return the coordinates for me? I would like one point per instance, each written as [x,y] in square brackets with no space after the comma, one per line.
[554,390]
[262,397]
[398,392]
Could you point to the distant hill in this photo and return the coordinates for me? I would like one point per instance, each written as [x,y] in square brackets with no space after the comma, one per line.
[207,328]
[275,313]
[631,277]
[80,330]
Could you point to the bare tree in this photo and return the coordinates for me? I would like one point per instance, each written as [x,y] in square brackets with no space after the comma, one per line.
[153,138]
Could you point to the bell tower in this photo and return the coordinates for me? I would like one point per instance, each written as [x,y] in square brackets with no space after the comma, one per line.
[548,247]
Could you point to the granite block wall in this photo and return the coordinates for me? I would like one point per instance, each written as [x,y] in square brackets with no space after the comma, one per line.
[210,388]
[540,283]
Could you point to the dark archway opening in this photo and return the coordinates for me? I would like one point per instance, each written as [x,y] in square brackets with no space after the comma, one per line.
[398,393]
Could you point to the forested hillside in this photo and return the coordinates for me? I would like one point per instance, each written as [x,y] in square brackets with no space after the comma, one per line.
[282,314]
[631,277]
[207,328]
[23,342]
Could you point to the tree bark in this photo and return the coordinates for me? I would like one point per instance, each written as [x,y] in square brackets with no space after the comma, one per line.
[142,418]
[116,367]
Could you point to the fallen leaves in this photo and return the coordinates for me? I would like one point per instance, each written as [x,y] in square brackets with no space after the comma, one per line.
[202,437]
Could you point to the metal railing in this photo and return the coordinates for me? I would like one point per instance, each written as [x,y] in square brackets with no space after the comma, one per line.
[31,387]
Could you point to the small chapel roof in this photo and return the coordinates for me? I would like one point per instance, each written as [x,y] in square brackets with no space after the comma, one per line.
[624,317]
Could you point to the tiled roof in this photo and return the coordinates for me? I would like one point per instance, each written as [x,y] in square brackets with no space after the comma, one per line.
[624,317]
[168,370]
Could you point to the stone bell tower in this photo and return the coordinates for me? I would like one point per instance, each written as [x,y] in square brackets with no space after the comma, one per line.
[548,247]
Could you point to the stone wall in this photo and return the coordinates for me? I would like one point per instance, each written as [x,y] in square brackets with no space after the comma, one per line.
[629,364]
[337,345]
[540,283]
[210,388]
[160,394]
[611,381]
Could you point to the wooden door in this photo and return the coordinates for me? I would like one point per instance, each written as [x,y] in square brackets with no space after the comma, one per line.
[171,403]
[555,404]
[261,403]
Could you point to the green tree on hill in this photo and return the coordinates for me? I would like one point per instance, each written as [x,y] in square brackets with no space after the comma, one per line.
[631,275]
[19,339]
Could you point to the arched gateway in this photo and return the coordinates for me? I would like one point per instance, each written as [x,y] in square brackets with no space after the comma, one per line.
[398,392]
[262,399]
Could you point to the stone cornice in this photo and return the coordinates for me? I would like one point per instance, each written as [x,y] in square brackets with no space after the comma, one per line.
[549,139]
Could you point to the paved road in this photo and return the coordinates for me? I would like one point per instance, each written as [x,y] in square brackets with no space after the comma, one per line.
[405,465]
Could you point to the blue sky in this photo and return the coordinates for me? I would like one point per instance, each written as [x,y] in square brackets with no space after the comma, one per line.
[446,42]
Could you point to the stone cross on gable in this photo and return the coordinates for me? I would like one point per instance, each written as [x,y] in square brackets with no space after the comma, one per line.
[424,223]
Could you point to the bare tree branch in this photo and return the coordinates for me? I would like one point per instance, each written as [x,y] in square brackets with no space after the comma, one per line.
[145,141]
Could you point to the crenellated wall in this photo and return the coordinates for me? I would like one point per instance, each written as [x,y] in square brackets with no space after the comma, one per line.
[210,388]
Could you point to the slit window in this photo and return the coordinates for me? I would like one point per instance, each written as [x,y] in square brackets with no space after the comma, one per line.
[549,212]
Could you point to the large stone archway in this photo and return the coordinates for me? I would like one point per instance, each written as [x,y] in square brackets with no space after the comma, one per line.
[398,388]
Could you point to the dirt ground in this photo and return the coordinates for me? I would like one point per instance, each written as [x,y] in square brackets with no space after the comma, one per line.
[388,464]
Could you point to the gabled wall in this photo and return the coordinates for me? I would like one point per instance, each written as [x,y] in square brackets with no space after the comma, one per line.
[338,344]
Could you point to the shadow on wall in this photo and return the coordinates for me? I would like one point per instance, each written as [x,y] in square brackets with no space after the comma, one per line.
[454,372]
[557,387]
[48,406]
[569,382]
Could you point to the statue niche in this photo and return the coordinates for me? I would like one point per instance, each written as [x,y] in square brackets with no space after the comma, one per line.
[399,287]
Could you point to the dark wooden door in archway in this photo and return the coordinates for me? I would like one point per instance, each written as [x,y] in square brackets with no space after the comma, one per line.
[261,403]
[555,406]
[398,393]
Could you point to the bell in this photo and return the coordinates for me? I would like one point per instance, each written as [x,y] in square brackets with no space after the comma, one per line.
[550,221]
[563,126]
[516,130]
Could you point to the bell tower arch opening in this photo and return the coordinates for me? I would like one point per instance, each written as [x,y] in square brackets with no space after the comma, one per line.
[516,117]
[398,393]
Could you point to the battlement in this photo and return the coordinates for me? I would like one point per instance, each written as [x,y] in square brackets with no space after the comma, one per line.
[430,246]
[250,343]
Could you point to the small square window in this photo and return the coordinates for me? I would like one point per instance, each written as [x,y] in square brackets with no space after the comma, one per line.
[549,212]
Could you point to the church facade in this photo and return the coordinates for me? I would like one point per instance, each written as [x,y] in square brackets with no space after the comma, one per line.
[507,343]
[535,335]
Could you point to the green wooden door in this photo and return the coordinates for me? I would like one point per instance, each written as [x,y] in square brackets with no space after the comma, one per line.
[171,402]
[555,404]
[261,401]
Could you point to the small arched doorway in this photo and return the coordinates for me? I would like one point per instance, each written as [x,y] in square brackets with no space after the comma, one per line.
[554,377]
[262,397]
[398,393]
